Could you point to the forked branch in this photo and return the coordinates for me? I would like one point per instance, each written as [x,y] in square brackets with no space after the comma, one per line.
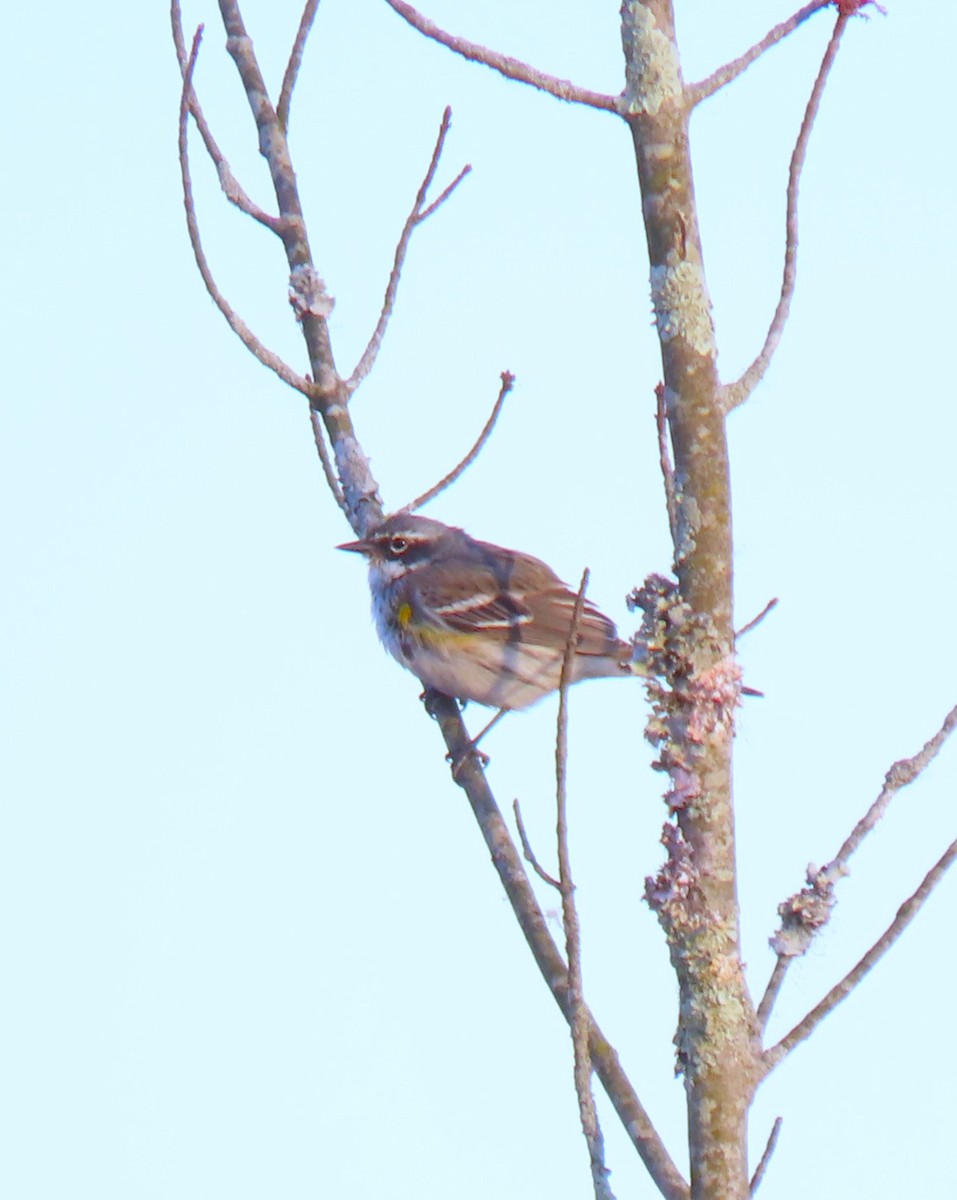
[232,189]
[905,914]
[808,911]
[420,212]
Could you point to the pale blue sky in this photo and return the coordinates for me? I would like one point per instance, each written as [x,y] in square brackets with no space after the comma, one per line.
[252,943]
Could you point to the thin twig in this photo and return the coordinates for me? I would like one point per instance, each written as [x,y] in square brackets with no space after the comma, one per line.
[418,214]
[579,1013]
[664,461]
[736,393]
[295,62]
[232,189]
[746,628]
[905,914]
[529,852]
[511,68]
[319,437]
[508,382]
[808,911]
[696,92]
[766,1156]
[235,322]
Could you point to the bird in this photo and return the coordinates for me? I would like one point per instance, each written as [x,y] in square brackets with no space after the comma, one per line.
[480,622]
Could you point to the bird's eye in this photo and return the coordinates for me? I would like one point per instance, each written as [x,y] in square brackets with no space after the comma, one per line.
[398,544]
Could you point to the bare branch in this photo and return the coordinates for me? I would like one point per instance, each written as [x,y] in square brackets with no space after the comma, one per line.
[905,914]
[511,68]
[295,62]
[579,1013]
[766,1156]
[664,461]
[755,621]
[529,853]
[696,92]
[227,180]
[736,393]
[235,322]
[508,382]
[808,911]
[418,214]
[530,917]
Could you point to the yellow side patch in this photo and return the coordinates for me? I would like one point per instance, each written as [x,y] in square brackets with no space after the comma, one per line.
[404,615]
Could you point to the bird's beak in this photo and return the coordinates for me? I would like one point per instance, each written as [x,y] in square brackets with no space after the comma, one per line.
[359,547]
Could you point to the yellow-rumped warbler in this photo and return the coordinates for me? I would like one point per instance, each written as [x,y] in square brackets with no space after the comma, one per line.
[477,621]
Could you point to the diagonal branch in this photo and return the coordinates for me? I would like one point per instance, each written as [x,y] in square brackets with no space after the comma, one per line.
[531,919]
[511,68]
[808,911]
[905,914]
[696,92]
[295,62]
[420,212]
[736,393]
[232,189]
[508,382]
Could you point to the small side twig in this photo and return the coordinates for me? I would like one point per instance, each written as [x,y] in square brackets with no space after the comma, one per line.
[295,62]
[420,212]
[664,461]
[766,1156]
[778,972]
[755,621]
[511,68]
[529,853]
[905,914]
[508,382]
[808,911]
[696,92]
[579,1014]
[734,394]
[235,322]
[232,189]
